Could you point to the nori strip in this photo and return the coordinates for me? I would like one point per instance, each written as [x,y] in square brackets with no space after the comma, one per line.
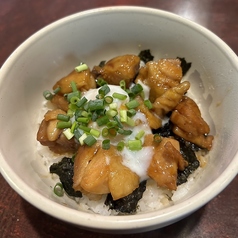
[65,170]
[184,65]
[128,204]
[146,56]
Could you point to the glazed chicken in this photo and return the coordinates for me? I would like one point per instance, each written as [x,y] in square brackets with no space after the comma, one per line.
[49,135]
[189,124]
[123,67]
[160,76]
[100,171]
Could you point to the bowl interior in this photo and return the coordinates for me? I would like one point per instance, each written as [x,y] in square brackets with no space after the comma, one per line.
[101,34]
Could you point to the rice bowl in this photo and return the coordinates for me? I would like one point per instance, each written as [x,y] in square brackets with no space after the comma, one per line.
[212,61]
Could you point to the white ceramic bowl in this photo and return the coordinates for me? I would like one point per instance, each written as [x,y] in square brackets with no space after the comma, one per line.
[101,34]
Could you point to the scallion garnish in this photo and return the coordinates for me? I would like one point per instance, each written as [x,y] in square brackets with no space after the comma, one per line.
[81,102]
[132,104]
[63,124]
[139,135]
[102,120]
[124,132]
[81,67]
[120,146]
[157,138]
[82,138]
[123,84]
[75,94]
[134,145]
[137,88]
[47,95]
[89,140]
[105,132]
[104,90]
[73,86]
[57,90]
[106,144]
[108,99]
[96,104]
[101,82]
[83,120]
[119,96]
[123,115]
[94,132]
[148,104]
[63,117]
[59,190]
[131,112]
[84,128]
[68,134]
[111,113]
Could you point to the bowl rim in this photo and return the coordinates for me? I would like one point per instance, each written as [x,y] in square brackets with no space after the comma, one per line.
[127,222]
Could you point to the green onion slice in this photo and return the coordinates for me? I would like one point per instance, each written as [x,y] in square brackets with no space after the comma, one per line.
[47,95]
[63,124]
[89,140]
[63,117]
[134,145]
[59,190]
[119,96]
[132,104]
[106,144]
[81,67]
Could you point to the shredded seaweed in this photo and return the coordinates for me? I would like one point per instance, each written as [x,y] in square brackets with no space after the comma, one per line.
[184,65]
[128,204]
[146,56]
[65,170]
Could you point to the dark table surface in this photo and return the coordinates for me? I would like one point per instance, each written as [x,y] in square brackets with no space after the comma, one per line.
[21,18]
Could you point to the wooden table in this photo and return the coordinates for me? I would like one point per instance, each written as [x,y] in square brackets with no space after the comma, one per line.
[21,18]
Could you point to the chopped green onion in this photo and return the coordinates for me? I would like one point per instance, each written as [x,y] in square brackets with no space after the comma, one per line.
[139,135]
[105,132]
[120,146]
[123,84]
[157,138]
[73,127]
[70,113]
[108,99]
[101,82]
[94,132]
[57,90]
[96,104]
[137,88]
[59,190]
[131,112]
[86,114]
[123,115]
[82,138]
[104,90]
[148,104]
[124,132]
[106,144]
[63,124]
[113,106]
[118,122]
[63,117]
[81,67]
[132,104]
[74,100]
[76,94]
[111,113]
[81,102]
[84,128]
[111,124]
[48,95]
[102,120]
[89,140]
[73,86]
[119,96]
[83,119]
[77,134]
[134,145]
[130,122]
[73,107]
[69,135]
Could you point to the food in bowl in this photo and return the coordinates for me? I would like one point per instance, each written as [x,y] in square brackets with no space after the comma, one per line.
[126,131]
